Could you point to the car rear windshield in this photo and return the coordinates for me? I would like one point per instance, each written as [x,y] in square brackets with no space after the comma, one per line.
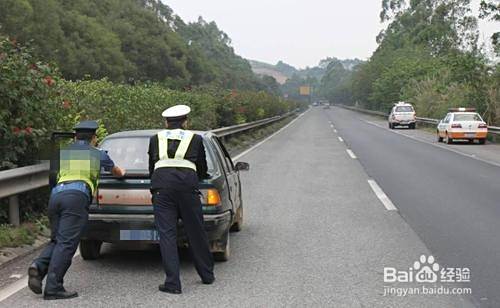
[404,109]
[131,153]
[467,117]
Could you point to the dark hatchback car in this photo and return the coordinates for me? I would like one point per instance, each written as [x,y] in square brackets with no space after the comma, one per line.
[122,210]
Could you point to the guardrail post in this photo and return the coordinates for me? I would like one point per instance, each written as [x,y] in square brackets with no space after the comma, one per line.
[14,210]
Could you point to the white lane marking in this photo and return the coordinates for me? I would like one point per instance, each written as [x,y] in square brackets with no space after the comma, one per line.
[331,125]
[20,284]
[340,139]
[382,196]
[16,276]
[334,130]
[437,145]
[260,143]
[351,153]
[13,288]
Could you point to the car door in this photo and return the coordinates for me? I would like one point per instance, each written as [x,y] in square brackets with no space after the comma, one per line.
[442,126]
[227,173]
[232,175]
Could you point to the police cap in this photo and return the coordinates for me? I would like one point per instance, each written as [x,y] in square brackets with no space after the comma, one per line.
[86,126]
[176,113]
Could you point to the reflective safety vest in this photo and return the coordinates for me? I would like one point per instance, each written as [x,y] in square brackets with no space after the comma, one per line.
[80,165]
[178,161]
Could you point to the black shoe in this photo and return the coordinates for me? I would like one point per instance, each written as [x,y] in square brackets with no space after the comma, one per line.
[208,281]
[34,279]
[60,295]
[165,289]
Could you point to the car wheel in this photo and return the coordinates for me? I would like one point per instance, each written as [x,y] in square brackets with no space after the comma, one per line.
[90,250]
[412,126]
[447,139]
[390,125]
[439,138]
[471,141]
[482,141]
[223,256]
[238,224]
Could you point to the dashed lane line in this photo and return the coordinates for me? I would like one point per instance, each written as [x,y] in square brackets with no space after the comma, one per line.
[351,153]
[382,196]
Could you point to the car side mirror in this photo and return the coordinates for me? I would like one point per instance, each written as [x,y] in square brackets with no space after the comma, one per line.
[242,166]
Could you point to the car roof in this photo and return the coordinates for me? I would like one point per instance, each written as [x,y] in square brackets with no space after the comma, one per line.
[148,133]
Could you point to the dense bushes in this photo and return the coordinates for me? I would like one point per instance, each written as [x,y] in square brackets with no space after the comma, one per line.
[35,101]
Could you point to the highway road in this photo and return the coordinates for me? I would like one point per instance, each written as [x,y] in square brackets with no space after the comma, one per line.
[317,233]
[448,194]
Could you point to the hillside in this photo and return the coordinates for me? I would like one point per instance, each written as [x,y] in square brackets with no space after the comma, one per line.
[282,71]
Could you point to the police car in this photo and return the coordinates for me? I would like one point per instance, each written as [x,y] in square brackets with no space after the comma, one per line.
[462,124]
[402,114]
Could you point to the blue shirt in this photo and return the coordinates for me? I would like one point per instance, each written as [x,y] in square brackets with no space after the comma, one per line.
[106,164]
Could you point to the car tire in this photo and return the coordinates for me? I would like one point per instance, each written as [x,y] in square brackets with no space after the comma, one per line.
[223,256]
[412,126]
[439,138]
[238,224]
[390,125]
[90,249]
[482,141]
[447,139]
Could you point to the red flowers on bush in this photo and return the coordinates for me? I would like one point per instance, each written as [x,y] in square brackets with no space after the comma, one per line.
[49,81]
[66,104]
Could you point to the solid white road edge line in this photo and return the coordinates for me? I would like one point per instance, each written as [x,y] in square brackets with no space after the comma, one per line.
[351,153]
[382,196]
[261,142]
[20,284]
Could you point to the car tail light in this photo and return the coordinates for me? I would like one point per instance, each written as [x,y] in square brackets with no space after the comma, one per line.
[456,126]
[210,197]
[482,125]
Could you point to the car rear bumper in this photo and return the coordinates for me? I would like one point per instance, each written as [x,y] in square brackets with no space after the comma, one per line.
[468,135]
[403,122]
[113,228]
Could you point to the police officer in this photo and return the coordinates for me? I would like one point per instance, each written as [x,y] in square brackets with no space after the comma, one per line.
[77,178]
[177,162]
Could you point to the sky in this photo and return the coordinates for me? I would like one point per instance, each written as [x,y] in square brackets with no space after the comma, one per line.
[299,32]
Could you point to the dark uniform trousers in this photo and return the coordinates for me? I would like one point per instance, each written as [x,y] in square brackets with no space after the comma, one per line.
[68,215]
[169,205]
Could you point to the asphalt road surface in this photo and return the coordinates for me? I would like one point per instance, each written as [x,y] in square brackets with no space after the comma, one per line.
[450,195]
[316,234]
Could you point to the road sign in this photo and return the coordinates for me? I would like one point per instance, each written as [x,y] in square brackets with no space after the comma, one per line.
[305,90]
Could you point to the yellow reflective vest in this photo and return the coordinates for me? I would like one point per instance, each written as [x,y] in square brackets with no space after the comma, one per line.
[178,161]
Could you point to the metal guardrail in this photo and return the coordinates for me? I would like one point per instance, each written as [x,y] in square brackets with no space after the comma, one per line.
[19,180]
[230,130]
[491,129]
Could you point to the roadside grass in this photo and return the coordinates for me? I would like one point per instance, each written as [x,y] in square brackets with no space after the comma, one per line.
[25,234]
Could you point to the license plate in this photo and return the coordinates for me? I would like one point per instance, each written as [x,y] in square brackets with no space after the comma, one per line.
[139,235]
[470,135]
